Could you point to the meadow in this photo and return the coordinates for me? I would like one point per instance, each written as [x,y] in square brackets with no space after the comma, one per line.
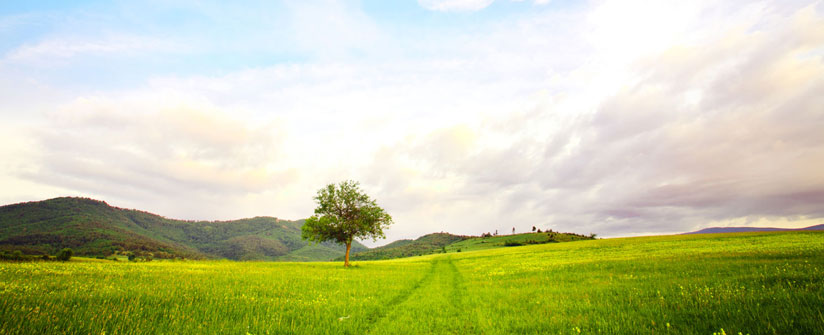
[748,283]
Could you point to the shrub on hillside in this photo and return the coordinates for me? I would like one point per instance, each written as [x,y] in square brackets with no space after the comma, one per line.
[65,254]
[16,255]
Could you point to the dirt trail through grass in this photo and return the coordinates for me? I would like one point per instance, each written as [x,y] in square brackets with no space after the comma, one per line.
[436,305]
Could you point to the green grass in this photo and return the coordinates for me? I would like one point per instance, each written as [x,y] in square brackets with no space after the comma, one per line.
[482,243]
[753,283]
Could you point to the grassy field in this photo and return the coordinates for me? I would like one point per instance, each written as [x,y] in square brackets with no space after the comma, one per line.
[752,283]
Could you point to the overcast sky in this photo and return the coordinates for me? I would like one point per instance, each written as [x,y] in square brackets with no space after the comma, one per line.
[612,117]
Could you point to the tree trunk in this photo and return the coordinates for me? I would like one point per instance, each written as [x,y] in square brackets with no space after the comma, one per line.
[348,247]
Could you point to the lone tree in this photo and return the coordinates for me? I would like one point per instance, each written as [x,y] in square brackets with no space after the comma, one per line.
[344,213]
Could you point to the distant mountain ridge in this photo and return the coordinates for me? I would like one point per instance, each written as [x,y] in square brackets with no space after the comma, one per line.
[715,230]
[93,228]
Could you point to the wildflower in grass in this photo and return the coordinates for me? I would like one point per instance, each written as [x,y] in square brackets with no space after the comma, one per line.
[720,332]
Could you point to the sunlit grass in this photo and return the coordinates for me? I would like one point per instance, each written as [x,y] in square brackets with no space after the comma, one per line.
[756,283]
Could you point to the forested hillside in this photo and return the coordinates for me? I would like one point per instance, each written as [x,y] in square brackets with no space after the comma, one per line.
[93,228]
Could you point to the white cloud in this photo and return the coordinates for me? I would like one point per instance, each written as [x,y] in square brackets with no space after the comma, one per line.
[464,5]
[331,29]
[563,120]
[153,149]
[61,49]
[455,5]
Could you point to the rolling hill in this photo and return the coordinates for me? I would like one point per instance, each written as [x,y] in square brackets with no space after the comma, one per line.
[715,230]
[498,241]
[445,242]
[424,245]
[93,228]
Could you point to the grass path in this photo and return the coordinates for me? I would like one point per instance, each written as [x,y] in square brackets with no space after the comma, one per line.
[436,305]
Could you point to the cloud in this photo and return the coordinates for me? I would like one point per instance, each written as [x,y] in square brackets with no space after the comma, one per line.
[331,29]
[721,131]
[562,119]
[464,5]
[147,147]
[455,5]
[61,49]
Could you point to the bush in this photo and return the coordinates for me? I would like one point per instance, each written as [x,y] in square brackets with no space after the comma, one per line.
[512,244]
[17,255]
[65,254]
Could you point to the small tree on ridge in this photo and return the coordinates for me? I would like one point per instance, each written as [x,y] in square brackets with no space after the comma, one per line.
[344,213]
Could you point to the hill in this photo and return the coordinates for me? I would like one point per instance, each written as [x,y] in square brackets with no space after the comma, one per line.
[445,242]
[424,245]
[716,230]
[93,228]
[482,243]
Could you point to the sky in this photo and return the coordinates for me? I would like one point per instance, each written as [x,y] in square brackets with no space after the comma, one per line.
[618,118]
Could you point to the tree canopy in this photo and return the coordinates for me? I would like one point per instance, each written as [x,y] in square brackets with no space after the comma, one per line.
[344,213]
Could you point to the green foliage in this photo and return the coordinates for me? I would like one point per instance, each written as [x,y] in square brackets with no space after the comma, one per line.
[93,228]
[756,283]
[517,243]
[424,245]
[344,213]
[64,255]
[445,243]
[490,242]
